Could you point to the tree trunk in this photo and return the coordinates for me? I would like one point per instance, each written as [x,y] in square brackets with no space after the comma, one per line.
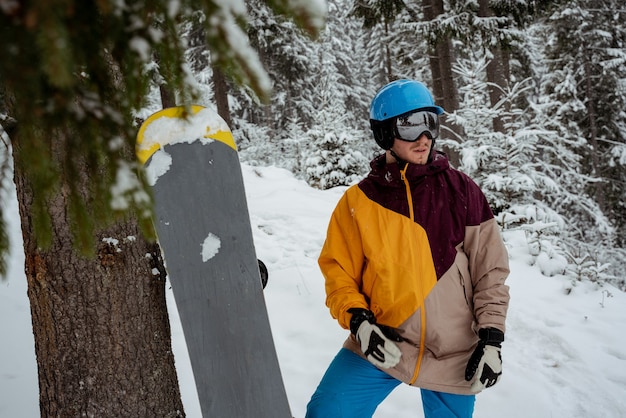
[593,136]
[388,66]
[102,336]
[221,94]
[444,86]
[445,57]
[498,76]
[498,73]
[168,97]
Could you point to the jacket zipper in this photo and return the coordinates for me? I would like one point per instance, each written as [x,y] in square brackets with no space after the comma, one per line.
[408,192]
[423,310]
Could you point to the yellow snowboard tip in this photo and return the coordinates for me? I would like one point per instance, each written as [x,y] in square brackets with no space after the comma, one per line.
[180,124]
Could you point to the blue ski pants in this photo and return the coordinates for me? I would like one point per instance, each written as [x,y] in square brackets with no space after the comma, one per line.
[352,387]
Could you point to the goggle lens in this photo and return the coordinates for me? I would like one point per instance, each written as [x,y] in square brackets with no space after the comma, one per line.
[413,125]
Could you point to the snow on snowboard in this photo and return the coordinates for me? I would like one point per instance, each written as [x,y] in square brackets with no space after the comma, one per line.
[203,227]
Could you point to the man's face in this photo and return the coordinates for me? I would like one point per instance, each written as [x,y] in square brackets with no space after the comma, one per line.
[413,152]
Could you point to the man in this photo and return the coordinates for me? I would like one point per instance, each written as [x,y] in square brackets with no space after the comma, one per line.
[415,267]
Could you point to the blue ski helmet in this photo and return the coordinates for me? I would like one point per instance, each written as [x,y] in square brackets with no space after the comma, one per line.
[395,99]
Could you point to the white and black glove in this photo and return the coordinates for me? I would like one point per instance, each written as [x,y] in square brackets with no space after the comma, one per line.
[486,362]
[378,342]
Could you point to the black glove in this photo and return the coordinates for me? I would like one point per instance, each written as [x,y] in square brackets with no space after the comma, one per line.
[378,342]
[486,361]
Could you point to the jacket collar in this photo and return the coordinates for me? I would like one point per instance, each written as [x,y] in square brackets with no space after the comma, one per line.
[390,173]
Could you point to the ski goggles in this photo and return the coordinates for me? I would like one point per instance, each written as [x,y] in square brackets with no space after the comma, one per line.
[410,126]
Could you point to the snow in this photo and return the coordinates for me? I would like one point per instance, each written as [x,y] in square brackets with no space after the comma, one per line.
[114,242]
[159,164]
[127,186]
[564,354]
[141,47]
[316,9]
[210,247]
[175,130]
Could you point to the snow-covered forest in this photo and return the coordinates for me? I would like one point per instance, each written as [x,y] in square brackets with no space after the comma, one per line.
[534,92]
[544,133]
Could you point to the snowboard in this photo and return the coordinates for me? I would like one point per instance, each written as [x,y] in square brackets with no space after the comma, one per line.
[203,228]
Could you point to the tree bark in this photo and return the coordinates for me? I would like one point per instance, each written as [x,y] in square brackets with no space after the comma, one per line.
[388,66]
[444,86]
[498,76]
[168,97]
[498,72]
[220,90]
[102,336]
[593,136]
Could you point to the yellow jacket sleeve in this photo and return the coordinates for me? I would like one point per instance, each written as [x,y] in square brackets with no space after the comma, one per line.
[341,262]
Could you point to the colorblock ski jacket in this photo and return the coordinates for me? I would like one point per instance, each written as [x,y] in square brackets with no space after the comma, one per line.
[421,249]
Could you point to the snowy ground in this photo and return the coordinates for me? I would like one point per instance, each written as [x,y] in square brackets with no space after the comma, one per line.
[565,353]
